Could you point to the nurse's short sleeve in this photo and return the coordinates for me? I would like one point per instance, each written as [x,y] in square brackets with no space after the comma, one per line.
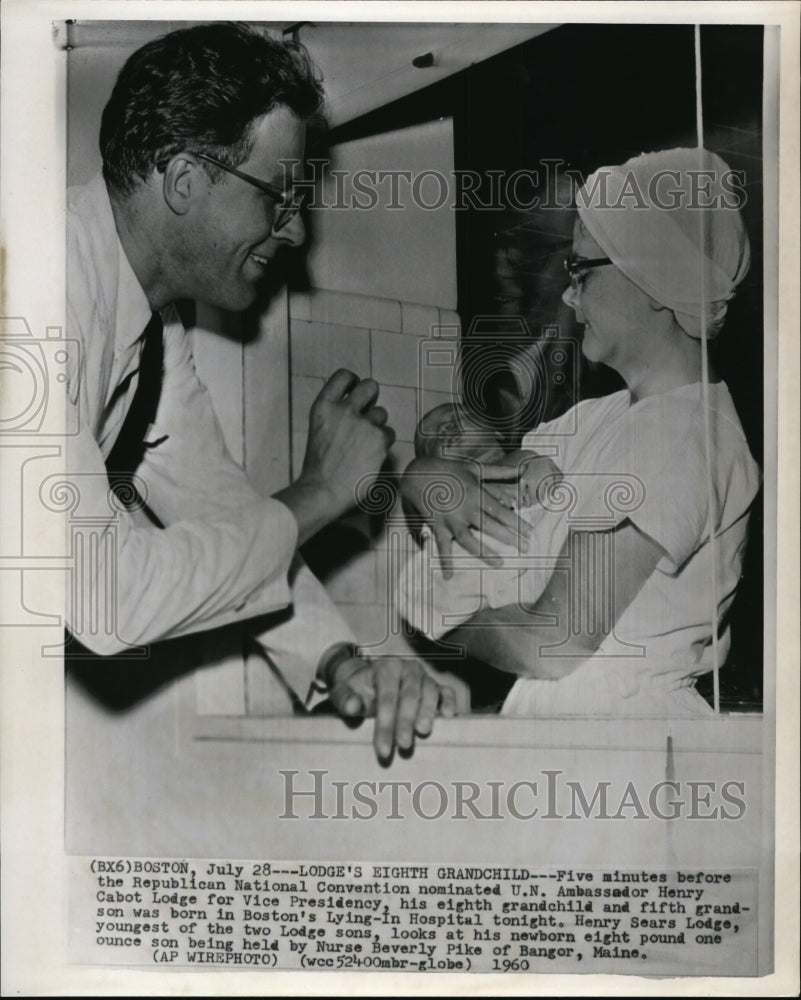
[652,472]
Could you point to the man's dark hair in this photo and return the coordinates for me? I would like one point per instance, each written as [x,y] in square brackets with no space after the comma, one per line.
[201,89]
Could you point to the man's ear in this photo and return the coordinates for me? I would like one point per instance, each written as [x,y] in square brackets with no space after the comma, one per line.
[182,181]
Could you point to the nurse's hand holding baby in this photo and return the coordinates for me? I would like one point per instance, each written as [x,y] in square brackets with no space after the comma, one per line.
[462,482]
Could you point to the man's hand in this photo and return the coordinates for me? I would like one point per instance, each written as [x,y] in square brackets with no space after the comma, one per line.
[473,507]
[348,440]
[400,694]
[348,436]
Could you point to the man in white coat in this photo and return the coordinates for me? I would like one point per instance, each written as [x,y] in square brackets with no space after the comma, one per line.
[194,203]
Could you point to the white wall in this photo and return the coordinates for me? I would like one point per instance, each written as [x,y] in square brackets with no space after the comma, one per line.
[407,254]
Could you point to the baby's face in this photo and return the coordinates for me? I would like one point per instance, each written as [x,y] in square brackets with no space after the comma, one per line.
[457,446]
[457,436]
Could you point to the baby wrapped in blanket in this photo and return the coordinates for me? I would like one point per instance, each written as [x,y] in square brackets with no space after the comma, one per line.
[428,600]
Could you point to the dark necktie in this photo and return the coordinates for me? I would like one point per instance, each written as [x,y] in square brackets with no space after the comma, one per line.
[122,462]
[129,448]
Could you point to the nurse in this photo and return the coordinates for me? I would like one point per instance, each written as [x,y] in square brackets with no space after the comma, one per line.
[635,559]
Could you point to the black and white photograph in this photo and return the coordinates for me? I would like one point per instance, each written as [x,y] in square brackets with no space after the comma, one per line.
[399,442]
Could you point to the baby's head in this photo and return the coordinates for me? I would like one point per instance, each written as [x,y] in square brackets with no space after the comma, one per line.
[448,431]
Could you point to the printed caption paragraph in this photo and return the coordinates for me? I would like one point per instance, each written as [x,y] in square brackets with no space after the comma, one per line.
[412,918]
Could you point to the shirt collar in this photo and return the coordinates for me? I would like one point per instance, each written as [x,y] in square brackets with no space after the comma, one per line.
[133,311]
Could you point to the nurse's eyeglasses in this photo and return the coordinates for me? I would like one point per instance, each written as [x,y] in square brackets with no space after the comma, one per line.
[577,268]
[287,205]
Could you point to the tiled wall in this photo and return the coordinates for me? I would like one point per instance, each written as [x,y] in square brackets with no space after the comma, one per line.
[390,341]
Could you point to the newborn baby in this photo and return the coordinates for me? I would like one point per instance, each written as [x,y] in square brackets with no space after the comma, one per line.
[426,599]
[448,431]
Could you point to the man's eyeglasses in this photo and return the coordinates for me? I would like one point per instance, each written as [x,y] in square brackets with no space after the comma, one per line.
[287,205]
[577,267]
